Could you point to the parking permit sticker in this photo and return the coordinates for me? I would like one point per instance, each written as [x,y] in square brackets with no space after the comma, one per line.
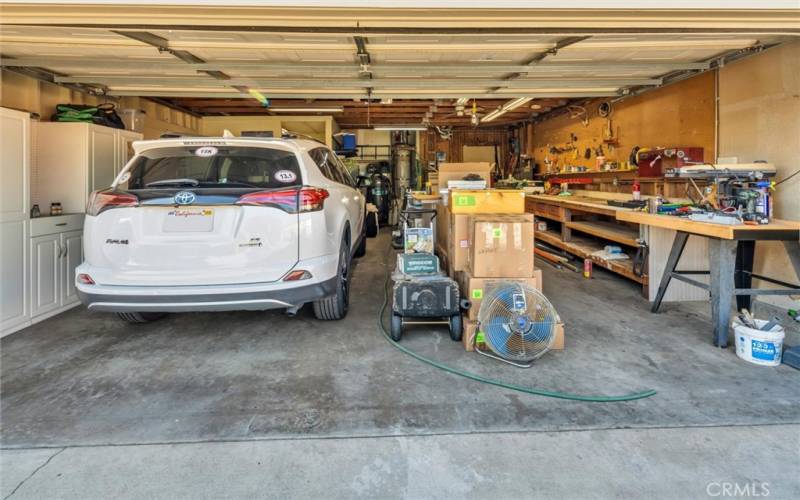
[206,151]
[285,176]
[125,177]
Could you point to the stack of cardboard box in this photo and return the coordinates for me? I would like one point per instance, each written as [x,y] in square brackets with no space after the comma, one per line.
[452,253]
[485,238]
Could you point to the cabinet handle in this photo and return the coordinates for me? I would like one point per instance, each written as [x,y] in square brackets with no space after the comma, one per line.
[61,224]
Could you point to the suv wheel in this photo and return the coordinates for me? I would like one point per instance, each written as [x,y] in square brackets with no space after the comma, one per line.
[140,317]
[335,306]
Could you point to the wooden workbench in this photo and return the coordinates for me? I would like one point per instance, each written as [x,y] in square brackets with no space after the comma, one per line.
[731,252]
[562,209]
[775,230]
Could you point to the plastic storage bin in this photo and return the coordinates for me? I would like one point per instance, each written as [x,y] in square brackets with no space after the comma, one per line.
[757,346]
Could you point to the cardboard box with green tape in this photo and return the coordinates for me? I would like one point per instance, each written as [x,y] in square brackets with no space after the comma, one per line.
[475,289]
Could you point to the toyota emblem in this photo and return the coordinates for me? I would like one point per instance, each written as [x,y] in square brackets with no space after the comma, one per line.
[185,198]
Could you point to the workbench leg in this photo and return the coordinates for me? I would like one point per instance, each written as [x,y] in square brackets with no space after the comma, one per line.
[793,249]
[566,232]
[744,267]
[722,264]
[678,244]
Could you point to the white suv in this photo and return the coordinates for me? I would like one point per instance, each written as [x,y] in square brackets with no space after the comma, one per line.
[219,224]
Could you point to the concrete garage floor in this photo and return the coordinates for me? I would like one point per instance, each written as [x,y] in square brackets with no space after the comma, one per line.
[253,404]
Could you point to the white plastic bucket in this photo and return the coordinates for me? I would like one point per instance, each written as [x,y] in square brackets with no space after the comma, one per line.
[757,346]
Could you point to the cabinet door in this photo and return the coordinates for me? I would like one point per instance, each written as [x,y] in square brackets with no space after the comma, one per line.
[125,148]
[72,242]
[102,157]
[45,251]
[14,303]
[15,129]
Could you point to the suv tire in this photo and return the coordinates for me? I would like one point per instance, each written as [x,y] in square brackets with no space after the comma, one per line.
[371,225]
[140,317]
[361,249]
[335,306]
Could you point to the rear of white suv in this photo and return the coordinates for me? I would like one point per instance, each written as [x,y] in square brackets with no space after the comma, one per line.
[223,224]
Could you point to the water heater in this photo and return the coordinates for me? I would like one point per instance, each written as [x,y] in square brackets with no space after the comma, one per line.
[402,169]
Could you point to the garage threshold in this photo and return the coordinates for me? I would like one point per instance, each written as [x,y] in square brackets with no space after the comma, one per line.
[591,463]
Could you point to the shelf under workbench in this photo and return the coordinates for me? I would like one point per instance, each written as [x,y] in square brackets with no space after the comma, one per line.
[584,237]
[611,231]
[584,247]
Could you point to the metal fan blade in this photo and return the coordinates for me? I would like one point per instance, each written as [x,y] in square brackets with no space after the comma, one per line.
[518,322]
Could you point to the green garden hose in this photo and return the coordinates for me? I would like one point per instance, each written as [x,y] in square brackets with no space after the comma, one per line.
[498,383]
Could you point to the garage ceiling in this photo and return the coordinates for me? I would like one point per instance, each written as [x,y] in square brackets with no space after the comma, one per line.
[341,67]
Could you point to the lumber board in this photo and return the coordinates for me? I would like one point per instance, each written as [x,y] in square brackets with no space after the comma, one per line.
[584,247]
[581,203]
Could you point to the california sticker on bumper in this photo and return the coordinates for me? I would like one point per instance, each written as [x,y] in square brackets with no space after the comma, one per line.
[188,220]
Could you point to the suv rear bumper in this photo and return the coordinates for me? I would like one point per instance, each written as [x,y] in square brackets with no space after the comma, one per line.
[254,297]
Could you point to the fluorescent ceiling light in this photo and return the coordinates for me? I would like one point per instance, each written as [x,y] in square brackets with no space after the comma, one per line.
[192,38]
[563,90]
[506,40]
[400,127]
[329,109]
[310,40]
[514,104]
[90,35]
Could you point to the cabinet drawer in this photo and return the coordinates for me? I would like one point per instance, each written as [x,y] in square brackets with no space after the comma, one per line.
[57,224]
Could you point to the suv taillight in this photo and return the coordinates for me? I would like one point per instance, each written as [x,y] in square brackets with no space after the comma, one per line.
[307,199]
[100,201]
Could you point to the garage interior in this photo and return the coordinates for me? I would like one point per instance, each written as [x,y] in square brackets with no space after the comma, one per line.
[245,404]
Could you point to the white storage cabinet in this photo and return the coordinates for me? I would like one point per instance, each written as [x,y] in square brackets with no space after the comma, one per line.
[56,250]
[15,142]
[74,159]
[65,163]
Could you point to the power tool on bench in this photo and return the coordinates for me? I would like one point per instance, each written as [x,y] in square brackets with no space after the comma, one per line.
[739,190]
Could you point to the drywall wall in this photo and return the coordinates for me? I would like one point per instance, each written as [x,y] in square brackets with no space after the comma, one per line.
[372,137]
[759,119]
[318,127]
[677,115]
[28,94]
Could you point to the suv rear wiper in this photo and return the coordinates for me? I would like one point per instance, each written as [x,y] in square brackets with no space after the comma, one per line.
[173,182]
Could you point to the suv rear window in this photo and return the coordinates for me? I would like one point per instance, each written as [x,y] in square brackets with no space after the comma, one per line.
[215,166]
